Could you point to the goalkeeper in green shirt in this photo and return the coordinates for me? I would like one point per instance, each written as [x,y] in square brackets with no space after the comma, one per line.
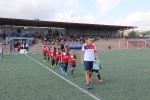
[96,66]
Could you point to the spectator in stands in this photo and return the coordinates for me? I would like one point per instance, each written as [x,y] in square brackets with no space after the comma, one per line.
[62,46]
[36,41]
[24,45]
[18,46]
[36,34]
[4,35]
[14,34]
[7,33]
[23,34]
[11,47]
[27,46]
[4,47]
[15,46]
[21,46]
[26,34]
[33,35]
[1,50]
[40,36]
[9,40]
[30,43]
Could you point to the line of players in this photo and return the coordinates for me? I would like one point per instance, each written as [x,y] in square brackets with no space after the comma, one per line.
[60,58]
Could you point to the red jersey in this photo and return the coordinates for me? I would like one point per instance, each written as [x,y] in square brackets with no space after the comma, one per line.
[65,57]
[52,56]
[58,55]
[72,59]
[44,51]
[49,51]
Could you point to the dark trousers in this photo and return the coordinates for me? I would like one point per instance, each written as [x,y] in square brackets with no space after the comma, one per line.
[65,66]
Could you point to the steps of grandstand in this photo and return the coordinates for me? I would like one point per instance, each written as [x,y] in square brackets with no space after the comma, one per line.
[105,44]
[100,44]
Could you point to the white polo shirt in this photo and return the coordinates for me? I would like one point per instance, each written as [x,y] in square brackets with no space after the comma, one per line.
[26,44]
[0,49]
[89,52]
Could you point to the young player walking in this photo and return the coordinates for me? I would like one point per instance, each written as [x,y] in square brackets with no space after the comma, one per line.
[96,66]
[72,60]
[65,60]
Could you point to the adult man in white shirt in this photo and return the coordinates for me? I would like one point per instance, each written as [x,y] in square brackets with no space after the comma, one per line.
[23,46]
[1,51]
[27,46]
[88,55]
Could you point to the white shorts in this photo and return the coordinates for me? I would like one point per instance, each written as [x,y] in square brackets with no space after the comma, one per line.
[0,51]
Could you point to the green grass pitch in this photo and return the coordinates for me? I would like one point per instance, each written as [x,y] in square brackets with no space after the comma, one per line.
[125,74]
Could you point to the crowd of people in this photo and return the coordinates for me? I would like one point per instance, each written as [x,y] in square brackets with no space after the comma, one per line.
[3,49]
[58,39]
[62,57]
[22,45]
[37,34]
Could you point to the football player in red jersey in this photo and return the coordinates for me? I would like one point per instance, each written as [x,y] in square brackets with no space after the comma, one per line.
[47,53]
[44,53]
[65,60]
[58,54]
[52,58]
[72,60]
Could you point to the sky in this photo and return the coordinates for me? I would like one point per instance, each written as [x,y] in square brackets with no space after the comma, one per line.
[109,12]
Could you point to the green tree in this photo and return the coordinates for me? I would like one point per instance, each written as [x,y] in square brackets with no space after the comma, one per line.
[132,34]
[145,33]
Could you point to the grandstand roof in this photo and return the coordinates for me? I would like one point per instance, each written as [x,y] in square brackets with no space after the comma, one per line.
[41,23]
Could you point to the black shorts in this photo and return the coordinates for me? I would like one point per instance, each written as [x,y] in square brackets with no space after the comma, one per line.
[53,62]
[96,71]
[72,65]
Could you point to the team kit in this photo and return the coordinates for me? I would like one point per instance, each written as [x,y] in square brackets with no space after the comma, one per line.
[63,57]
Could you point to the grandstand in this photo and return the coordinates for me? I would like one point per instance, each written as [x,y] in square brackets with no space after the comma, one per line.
[75,33]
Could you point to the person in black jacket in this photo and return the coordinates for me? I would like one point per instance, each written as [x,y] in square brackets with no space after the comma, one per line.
[62,46]
[4,35]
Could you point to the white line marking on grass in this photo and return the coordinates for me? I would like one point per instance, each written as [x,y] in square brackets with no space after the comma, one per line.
[91,95]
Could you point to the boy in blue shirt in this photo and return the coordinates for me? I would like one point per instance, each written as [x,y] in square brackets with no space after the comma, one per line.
[96,66]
